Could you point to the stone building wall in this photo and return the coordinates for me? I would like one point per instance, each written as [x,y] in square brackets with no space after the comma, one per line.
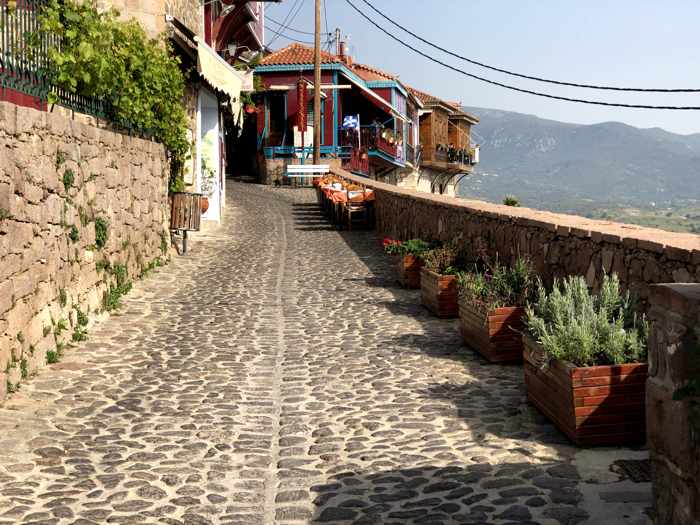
[558,244]
[151,13]
[673,426]
[50,264]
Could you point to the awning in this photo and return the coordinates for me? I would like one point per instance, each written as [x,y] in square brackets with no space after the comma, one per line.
[220,75]
[378,101]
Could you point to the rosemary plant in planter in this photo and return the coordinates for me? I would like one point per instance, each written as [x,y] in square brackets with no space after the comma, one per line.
[409,259]
[438,279]
[491,308]
[585,362]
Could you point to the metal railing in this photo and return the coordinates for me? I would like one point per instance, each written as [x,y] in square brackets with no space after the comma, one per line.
[358,162]
[24,60]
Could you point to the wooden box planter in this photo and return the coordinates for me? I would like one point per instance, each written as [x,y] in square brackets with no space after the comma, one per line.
[409,271]
[496,335]
[439,293]
[597,405]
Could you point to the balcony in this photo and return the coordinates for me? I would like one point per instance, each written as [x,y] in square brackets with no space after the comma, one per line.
[450,159]
[376,146]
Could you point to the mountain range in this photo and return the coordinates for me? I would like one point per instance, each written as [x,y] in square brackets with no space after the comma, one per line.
[572,167]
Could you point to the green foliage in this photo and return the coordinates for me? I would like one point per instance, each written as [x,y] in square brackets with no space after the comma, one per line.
[68,179]
[74,235]
[4,214]
[415,247]
[84,217]
[571,324]
[20,337]
[79,334]
[61,325]
[60,159]
[493,285]
[11,388]
[511,200]
[445,260]
[52,356]
[80,316]
[102,265]
[101,231]
[96,55]
[23,367]
[62,297]
[111,298]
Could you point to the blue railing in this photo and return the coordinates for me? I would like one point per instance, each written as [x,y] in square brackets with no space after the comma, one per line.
[306,152]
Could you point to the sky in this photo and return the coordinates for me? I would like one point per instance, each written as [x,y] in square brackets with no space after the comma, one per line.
[626,43]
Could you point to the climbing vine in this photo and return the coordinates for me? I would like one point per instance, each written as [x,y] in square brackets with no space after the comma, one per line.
[98,56]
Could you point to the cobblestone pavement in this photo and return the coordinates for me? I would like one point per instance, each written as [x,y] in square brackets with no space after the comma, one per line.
[278,374]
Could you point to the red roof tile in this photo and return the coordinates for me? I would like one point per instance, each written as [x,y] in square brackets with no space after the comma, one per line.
[295,54]
[370,73]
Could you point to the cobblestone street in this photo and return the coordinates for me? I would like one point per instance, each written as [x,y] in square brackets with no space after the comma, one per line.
[277,373]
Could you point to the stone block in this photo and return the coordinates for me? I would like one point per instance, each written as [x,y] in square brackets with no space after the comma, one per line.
[8,118]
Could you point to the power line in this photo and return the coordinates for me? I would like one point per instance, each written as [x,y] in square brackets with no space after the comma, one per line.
[311,33]
[287,37]
[288,19]
[514,88]
[529,77]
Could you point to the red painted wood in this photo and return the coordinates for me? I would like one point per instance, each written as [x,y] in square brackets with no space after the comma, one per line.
[609,412]
[496,334]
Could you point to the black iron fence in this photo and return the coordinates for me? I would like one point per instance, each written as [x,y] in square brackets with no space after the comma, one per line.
[24,60]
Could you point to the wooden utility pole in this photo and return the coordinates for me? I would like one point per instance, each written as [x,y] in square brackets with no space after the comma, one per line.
[317,85]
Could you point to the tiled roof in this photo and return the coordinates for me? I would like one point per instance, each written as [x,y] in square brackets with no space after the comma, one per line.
[295,54]
[369,73]
[430,100]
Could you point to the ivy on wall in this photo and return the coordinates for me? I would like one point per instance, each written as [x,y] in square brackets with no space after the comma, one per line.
[96,55]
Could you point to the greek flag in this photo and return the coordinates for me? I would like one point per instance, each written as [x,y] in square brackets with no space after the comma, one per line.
[351,122]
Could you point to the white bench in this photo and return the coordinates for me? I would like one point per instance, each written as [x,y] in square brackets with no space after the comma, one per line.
[307,170]
[303,172]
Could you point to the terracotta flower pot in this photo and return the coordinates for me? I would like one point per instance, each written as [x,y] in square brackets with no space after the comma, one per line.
[409,271]
[597,405]
[439,293]
[495,334]
[204,204]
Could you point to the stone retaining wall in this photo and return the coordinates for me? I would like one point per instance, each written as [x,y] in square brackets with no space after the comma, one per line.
[558,244]
[49,259]
[673,426]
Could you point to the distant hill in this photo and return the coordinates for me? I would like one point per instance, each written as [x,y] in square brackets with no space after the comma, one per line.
[571,167]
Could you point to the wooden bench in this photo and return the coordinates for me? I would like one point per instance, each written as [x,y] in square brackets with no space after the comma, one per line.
[306,172]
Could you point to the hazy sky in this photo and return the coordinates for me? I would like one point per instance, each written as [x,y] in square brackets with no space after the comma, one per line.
[639,43]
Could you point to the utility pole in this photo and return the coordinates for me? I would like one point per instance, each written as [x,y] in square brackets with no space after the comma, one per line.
[317,85]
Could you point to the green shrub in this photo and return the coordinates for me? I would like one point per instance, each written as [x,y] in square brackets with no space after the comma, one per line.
[101,231]
[80,316]
[62,297]
[445,260]
[94,54]
[74,235]
[571,324]
[493,285]
[511,200]
[111,298]
[52,356]
[415,247]
[68,179]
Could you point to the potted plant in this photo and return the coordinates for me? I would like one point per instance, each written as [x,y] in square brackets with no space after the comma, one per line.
[207,184]
[491,307]
[409,259]
[438,280]
[585,362]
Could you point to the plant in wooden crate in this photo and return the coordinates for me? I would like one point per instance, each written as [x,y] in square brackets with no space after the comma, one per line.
[585,361]
[409,259]
[207,185]
[438,278]
[492,298]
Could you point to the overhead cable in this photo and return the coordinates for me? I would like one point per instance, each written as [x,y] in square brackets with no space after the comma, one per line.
[514,88]
[528,77]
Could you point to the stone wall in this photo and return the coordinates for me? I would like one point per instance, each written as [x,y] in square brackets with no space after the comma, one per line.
[673,426]
[49,259]
[151,13]
[558,244]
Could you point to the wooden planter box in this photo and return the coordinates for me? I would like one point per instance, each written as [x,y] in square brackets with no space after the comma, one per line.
[439,293]
[597,405]
[496,335]
[409,271]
